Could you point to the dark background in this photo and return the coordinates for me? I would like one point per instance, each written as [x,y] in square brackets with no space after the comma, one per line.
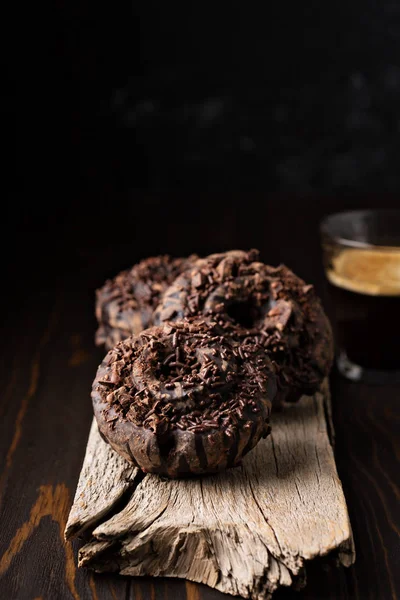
[283,96]
[177,129]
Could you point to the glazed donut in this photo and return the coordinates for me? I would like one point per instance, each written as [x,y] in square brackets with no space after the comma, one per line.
[271,303]
[181,400]
[125,304]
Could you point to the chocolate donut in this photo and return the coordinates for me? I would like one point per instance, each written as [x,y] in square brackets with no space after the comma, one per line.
[181,399]
[125,304]
[271,303]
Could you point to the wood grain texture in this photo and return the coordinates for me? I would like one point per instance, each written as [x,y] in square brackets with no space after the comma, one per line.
[91,501]
[50,502]
[245,532]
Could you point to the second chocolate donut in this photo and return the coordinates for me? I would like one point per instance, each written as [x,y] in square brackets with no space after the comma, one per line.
[271,303]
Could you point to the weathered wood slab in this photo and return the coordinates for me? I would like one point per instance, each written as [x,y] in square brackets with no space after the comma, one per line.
[246,531]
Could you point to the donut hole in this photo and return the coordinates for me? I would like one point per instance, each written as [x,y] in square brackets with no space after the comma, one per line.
[171,364]
[244,313]
[166,372]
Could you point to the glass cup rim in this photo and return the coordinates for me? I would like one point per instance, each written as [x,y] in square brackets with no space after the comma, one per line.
[324,224]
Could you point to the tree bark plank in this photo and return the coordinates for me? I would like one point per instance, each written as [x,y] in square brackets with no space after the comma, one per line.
[246,531]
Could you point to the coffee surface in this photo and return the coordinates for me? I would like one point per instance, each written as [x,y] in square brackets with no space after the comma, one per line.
[375,272]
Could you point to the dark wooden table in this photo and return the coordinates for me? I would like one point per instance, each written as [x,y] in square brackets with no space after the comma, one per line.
[49,361]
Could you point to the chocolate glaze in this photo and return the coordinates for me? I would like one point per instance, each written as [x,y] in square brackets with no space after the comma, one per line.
[182,399]
[125,304]
[270,303]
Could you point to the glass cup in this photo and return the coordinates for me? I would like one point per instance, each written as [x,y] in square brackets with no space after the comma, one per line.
[361,255]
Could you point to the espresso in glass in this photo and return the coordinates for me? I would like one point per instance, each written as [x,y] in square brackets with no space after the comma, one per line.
[364,283]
